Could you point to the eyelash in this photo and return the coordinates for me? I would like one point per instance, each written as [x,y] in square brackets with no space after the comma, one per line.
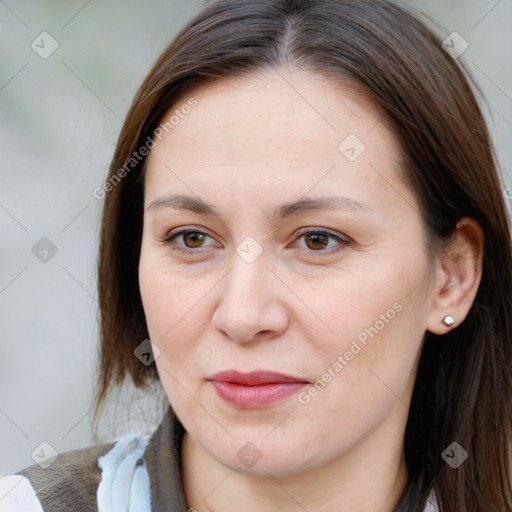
[170,237]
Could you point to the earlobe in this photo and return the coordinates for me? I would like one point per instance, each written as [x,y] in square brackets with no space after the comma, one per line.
[460,272]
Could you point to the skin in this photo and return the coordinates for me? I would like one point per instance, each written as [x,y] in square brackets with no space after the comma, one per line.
[251,144]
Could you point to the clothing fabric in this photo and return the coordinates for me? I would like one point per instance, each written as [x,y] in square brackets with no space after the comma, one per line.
[133,474]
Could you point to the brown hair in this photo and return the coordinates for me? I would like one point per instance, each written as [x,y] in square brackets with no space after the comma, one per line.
[463,390]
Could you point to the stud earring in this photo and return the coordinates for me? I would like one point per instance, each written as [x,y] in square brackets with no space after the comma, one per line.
[448,320]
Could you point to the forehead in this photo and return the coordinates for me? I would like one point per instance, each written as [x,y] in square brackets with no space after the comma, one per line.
[280,128]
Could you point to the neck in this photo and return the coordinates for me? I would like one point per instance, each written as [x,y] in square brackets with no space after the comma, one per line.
[372,477]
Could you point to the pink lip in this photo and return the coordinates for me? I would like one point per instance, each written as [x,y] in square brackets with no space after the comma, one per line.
[255,390]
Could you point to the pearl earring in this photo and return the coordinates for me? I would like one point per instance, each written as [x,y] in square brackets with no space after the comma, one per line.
[448,320]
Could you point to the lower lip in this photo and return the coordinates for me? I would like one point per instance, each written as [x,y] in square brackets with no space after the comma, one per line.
[255,397]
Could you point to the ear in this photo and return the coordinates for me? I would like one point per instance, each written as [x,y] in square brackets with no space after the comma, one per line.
[458,276]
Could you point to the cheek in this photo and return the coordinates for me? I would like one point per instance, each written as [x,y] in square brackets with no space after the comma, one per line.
[169,310]
[352,306]
[377,328]
[173,316]
[174,307]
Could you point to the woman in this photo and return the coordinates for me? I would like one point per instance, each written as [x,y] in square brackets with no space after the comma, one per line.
[304,216]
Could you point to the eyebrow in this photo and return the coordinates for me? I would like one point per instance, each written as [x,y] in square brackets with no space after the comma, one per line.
[304,205]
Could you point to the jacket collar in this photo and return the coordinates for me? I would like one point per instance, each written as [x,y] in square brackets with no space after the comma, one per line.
[163,459]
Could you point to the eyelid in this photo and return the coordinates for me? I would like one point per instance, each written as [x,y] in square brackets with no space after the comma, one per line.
[323,231]
[184,229]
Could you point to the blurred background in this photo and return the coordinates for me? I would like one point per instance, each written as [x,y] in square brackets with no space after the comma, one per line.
[68,73]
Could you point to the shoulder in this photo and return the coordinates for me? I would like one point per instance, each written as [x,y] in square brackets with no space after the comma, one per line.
[79,479]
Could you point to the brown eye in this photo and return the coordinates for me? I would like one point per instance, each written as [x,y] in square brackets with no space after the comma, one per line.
[193,238]
[316,241]
[187,241]
[320,241]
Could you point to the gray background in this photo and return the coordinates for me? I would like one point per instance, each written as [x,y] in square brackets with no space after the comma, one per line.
[59,120]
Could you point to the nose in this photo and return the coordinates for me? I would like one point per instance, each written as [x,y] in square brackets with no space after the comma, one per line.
[252,303]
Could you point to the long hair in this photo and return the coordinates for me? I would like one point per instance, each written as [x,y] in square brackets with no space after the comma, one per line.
[463,389]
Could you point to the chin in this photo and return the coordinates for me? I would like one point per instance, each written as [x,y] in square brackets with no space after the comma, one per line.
[263,457]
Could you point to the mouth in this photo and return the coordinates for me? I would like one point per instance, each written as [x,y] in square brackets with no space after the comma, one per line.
[255,390]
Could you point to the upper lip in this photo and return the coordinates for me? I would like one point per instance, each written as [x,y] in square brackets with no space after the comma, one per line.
[254,378]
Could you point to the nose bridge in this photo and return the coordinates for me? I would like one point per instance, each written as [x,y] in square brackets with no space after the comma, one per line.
[248,304]
[249,271]
[247,285]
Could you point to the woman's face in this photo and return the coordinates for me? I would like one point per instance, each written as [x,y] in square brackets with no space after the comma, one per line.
[334,295]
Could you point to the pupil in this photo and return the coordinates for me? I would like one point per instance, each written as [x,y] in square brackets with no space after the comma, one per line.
[316,239]
[196,237]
